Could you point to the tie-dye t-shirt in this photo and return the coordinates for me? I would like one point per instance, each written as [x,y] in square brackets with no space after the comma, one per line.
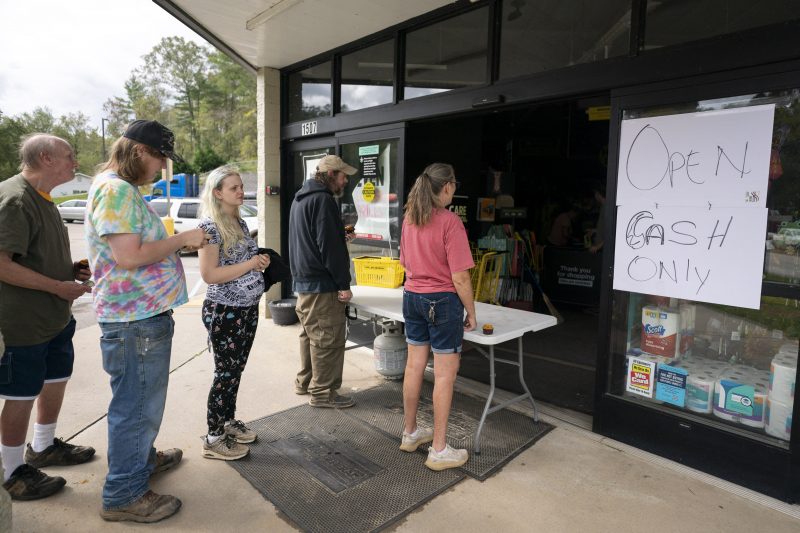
[121,295]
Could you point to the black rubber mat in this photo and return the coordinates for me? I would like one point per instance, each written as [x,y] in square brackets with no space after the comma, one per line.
[505,433]
[333,473]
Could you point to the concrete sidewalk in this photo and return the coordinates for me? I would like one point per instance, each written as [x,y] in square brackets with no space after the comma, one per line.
[571,480]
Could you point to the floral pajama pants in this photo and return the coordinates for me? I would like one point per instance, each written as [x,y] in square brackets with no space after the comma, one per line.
[231,331]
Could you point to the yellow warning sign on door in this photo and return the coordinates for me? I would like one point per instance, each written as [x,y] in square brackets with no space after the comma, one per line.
[368,192]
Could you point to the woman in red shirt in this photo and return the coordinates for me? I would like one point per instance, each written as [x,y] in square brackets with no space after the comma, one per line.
[435,254]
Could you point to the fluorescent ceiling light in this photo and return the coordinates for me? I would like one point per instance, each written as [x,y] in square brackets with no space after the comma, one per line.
[276,9]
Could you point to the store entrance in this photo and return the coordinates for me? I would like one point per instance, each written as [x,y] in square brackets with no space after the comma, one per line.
[533,189]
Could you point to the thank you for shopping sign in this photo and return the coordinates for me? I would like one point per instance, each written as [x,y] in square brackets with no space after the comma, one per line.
[691,197]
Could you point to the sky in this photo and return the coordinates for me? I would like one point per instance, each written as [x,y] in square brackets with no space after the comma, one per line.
[72,56]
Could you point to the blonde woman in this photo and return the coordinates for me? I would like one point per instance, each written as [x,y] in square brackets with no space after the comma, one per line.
[233,269]
[435,253]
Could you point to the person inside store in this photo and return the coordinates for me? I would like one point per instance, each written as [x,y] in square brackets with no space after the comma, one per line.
[38,286]
[139,280]
[320,265]
[562,232]
[595,235]
[233,269]
[435,253]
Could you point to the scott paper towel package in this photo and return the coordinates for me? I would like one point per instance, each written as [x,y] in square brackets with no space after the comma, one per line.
[660,331]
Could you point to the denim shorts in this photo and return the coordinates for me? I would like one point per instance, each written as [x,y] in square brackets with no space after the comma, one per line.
[25,369]
[436,319]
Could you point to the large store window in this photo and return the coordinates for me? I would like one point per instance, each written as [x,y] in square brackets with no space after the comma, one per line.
[447,55]
[368,76]
[539,35]
[309,92]
[671,23]
[712,359]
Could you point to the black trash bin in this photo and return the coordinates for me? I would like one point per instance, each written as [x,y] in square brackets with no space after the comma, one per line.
[282,311]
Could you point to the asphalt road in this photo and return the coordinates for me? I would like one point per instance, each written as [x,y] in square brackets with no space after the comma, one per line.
[82,307]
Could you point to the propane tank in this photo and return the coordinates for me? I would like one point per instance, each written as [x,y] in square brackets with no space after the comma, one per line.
[391,350]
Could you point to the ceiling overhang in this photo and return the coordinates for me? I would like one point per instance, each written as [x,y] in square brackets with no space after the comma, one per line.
[279,33]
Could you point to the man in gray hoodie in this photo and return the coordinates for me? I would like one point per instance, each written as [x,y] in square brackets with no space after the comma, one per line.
[320,267]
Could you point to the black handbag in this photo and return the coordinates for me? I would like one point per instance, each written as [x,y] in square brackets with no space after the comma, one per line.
[278,269]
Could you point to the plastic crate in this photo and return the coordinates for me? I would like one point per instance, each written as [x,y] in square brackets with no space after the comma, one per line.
[378,271]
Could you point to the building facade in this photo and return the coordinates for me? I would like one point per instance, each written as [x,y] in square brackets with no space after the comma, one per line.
[636,161]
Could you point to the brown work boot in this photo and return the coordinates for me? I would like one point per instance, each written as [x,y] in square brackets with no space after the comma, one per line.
[29,483]
[59,453]
[166,459]
[151,507]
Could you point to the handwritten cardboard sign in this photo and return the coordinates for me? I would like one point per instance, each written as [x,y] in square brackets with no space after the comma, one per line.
[714,255]
[719,157]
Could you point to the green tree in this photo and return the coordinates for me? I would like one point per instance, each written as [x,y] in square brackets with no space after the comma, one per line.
[230,118]
[207,159]
[41,120]
[11,129]
[74,128]
[179,67]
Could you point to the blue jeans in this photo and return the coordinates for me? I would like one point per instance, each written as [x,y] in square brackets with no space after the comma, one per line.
[136,356]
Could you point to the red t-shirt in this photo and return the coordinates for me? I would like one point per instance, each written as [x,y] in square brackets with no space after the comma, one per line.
[432,253]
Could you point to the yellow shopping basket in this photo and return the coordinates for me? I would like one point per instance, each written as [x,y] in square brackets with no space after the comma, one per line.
[378,271]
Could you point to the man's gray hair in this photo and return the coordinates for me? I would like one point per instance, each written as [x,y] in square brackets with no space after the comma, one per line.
[33,145]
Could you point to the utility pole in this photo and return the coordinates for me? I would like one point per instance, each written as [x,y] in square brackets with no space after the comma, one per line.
[103,128]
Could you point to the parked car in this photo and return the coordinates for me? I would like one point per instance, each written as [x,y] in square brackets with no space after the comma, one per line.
[185,213]
[72,210]
[786,237]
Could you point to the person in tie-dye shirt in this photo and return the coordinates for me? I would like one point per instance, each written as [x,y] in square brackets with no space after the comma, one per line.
[138,279]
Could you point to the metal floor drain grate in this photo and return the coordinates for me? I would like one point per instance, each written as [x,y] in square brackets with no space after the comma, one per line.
[333,473]
[505,433]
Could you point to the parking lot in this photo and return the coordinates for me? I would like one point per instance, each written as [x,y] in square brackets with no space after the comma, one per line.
[82,307]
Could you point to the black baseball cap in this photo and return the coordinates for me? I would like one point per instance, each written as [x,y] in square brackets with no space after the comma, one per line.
[155,135]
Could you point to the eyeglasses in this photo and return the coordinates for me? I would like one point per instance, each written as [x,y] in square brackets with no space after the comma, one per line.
[456,184]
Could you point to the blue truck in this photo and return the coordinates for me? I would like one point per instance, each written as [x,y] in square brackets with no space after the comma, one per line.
[181,186]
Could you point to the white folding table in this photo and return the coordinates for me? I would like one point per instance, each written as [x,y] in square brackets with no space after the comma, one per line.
[509,324]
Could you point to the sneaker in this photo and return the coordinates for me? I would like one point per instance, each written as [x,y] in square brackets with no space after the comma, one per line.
[447,458]
[240,432]
[339,402]
[151,507]
[29,483]
[300,391]
[412,441]
[58,454]
[167,459]
[225,448]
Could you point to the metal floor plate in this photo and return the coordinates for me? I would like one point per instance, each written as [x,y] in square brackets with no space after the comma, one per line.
[505,433]
[329,472]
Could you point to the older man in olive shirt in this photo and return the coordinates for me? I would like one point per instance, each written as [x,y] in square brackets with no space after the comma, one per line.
[37,287]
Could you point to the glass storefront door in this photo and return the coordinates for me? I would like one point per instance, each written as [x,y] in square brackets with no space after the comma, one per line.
[372,201]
